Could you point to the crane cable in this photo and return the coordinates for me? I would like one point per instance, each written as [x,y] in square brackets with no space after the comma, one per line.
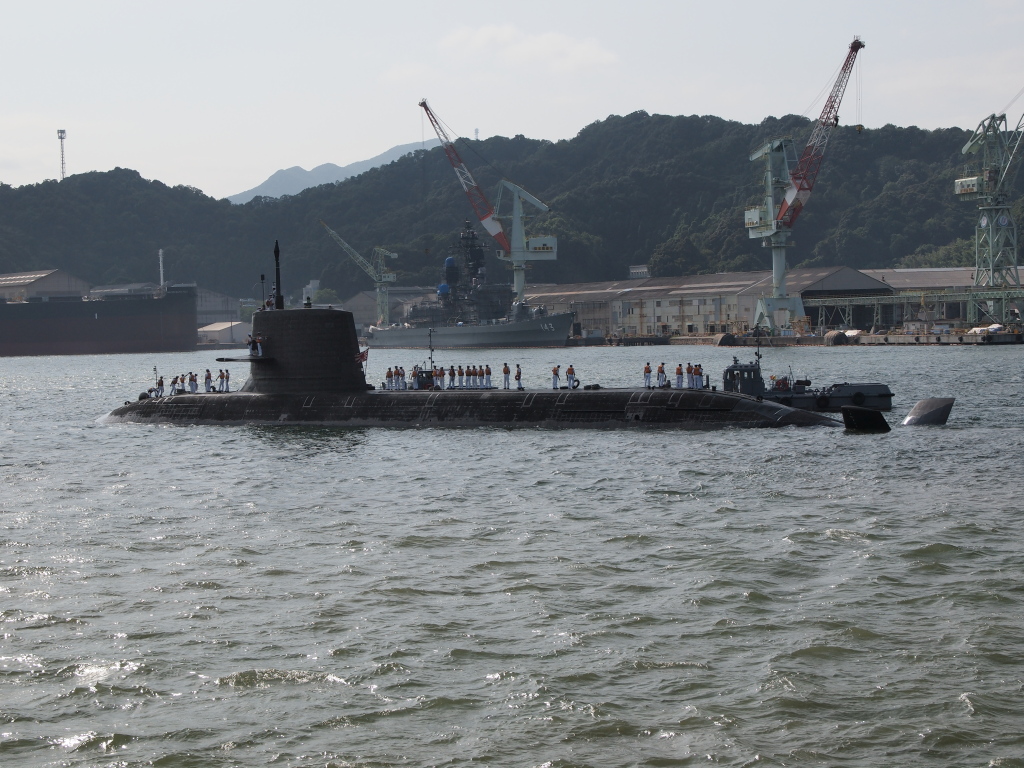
[1012,101]
[860,94]
[470,147]
[821,94]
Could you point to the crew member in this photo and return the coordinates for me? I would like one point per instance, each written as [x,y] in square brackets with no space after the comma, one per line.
[389,380]
[208,381]
[505,371]
[570,376]
[698,376]
[647,375]
[227,380]
[679,376]
[461,373]
[555,376]
[519,377]
[661,374]
[689,375]
[487,377]
[451,377]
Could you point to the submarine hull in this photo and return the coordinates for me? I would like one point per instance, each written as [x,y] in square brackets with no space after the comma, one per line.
[311,373]
[609,408]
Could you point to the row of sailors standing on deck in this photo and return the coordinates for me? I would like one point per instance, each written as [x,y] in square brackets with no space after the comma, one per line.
[570,377]
[395,379]
[183,384]
[470,377]
[692,379]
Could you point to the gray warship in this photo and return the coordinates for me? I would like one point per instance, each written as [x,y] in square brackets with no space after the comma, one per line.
[470,312]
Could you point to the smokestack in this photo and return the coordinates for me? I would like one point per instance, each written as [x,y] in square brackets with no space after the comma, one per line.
[278,297]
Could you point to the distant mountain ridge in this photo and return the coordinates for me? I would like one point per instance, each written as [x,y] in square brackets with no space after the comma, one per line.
[662,190]
[291,181]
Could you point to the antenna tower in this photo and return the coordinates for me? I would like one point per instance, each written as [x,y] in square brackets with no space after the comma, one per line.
[62,134]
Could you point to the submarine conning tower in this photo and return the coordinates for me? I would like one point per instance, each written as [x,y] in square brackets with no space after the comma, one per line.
[306,350]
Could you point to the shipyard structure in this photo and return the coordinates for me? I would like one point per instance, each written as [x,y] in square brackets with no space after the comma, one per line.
[879,301]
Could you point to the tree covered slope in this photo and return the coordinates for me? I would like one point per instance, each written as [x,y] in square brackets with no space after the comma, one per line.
[668,191]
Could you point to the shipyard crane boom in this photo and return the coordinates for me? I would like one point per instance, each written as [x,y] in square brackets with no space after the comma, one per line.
[477,199]
[375,269]
[788,185]
[1000,150]
[995,236]
[801,180]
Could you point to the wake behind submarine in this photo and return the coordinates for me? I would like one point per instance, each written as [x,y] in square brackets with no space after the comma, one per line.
[310,373]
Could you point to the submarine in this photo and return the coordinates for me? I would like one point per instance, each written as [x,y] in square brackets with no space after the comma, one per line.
[310,372]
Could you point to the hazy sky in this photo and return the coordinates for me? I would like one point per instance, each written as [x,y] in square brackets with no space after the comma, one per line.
[219,95]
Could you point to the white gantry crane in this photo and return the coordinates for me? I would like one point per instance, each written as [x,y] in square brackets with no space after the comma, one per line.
[518,249]
[521,248]
[375,268]
[995,239]
[788,185]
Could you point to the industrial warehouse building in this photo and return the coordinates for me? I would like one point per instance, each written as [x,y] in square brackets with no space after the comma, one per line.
[726,303]
[41,285]
[58,285]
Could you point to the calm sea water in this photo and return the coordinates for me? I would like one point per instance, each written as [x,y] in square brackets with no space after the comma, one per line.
[239,596]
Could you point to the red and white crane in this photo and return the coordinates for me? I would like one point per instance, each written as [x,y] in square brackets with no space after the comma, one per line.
[477,198]
[802,177]
[788,185]
[517,248]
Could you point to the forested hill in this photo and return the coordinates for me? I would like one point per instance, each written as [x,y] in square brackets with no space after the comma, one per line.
[668,191]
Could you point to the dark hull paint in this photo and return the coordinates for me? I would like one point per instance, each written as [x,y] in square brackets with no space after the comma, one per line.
[610,408]
[113,326]
[878,397]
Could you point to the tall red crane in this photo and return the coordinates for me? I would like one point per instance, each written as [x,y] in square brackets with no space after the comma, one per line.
[802,177]
[477,199]
[788,185]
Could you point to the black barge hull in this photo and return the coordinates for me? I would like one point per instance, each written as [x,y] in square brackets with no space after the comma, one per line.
[110,326]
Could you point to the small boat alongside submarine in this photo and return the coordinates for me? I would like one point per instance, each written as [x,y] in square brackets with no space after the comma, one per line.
[311,373]
[747,379]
